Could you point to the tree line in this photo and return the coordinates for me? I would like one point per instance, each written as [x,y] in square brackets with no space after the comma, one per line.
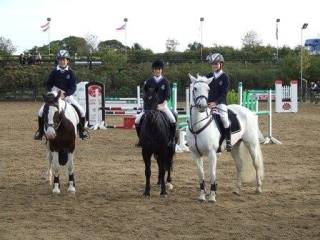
[123,67]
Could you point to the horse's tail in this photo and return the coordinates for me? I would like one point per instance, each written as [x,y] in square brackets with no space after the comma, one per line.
[245,163]
[167,158]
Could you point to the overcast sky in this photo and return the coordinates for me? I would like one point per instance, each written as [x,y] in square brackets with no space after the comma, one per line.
[151,23]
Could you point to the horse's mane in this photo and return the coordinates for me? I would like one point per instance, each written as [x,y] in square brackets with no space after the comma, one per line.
[154,128]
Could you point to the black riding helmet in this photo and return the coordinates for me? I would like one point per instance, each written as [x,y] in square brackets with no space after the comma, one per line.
[158,64]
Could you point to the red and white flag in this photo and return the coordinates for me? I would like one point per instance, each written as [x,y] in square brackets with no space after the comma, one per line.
[123,27]
[45,27]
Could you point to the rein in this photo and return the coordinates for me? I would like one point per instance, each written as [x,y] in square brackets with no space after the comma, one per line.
[191,125]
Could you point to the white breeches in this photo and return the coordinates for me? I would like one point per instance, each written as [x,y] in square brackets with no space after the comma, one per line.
[164,109]
[222,110]
[70,100]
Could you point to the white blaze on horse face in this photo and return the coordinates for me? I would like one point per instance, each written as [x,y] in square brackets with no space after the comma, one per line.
[201,91]
[50,132]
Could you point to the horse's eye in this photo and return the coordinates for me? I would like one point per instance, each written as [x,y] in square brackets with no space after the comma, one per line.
[195,89]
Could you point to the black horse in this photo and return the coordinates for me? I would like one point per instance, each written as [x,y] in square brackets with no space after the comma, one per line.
[154,140]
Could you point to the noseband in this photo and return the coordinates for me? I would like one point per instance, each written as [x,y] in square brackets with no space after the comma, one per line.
[196,104]
[197,99]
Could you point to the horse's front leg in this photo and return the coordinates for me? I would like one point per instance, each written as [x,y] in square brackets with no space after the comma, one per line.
[48,173]
[72,184]
[199,162]
[212,156]
[55,168]
[147,164]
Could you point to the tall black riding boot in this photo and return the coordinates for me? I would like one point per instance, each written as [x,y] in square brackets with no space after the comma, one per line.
[228,139]
[138,129]
[173,128]
[83,134]
[40,132]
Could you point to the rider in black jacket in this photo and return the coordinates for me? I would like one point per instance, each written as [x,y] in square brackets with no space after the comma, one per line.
[218,93]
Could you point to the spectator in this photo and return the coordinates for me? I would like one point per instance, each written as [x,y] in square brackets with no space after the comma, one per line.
[22,59]
[38,58]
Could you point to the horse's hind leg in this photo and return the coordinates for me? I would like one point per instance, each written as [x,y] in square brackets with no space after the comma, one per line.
[169,180]
[256,155]
[199,162]
[147,163]
[162,171]
[235,153]
[72,185]
[55,167]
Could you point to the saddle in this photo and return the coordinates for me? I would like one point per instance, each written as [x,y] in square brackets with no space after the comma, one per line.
[234,124]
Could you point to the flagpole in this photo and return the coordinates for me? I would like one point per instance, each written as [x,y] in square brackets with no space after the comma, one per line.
[125,34]
[49,20]
[277,36]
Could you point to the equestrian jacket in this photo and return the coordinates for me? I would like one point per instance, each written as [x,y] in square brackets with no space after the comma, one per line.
[65,80]
[218,88]
[162,88]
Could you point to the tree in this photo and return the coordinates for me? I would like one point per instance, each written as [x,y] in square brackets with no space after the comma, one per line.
[171,45]
[251,40]
[110,44]
[137,47]
[194,46]
[75,45]
[6,47]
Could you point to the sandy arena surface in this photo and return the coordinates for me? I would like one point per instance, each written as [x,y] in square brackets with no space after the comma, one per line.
[109,174]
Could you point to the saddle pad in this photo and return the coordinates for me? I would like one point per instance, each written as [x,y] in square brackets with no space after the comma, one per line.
[235,124]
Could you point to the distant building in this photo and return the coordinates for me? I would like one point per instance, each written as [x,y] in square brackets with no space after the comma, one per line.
[313,45]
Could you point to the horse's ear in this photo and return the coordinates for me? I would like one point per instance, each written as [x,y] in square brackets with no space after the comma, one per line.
[210,80]
[192,78]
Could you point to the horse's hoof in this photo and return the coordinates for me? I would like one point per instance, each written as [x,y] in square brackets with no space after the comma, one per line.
[169,186]
[212,197]
[236,192]
[71,189]
[163,195]
[258,190]
[202,197]
[146,194]
[56,189]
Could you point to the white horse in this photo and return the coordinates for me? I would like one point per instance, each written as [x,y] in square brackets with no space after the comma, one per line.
[61,120]
[203,140]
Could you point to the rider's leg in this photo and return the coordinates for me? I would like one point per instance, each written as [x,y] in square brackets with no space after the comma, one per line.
[82,116]
[173,124]
[40,132]
[223,110]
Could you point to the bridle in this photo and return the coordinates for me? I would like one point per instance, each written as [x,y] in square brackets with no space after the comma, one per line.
[54,125]
[196,104]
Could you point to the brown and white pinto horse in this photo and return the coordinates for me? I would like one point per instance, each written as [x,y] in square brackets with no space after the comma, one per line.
[61,120]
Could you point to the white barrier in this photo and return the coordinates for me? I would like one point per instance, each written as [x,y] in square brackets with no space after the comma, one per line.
[269,138]
[286,96]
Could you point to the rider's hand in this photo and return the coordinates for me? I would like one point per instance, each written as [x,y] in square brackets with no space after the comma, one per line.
[212,105]
[160,106]
[62,96]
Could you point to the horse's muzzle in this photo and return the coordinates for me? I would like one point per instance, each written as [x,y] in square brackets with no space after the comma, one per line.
[50,133]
